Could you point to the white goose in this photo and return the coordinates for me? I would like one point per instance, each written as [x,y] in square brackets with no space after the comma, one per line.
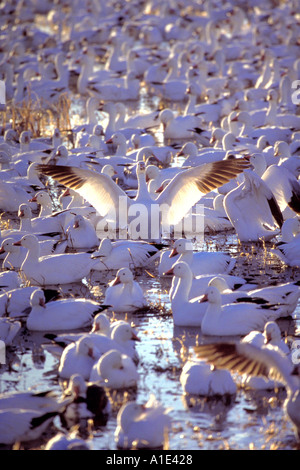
[283,181]
[61,314]
[183,191]
[283,295]
[124,294]
[236,319]
[115,370]
[81,233]
[123,253]
[23,425]
[288,249]
[15,303]
[271,335]
[78,358]
[185,311]
[53,269]
[253,209]
[144,426]
[199,378]
[266,361]
[200,262]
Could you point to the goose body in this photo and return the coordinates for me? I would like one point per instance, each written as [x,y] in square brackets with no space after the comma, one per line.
[253,210]
[198,378]
[53,269]
[233,319]
[115,370]
[199,262]
[124,294]
[123,253]
[62,314]
[146,425]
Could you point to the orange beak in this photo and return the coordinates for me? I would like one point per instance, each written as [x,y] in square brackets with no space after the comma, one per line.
[173,253]
[116,281]
[18,243]
[204,299]
[169,272]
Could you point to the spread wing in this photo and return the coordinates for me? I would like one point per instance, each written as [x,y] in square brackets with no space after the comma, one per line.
[97,188]
[187,187]
[245,358]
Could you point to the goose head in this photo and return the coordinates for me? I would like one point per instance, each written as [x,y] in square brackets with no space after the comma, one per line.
[123,276]
[108,170]
[42,198]
[29,241]
[272,333]
[110,360]
[181,246]
[77,386]
[181,270]
[101,323]
[152,172]
[85,347]
[8,246]
[219,282]
[24,211]
[212,295]
[37,299]
[281,149]
[124,333]
[104,250]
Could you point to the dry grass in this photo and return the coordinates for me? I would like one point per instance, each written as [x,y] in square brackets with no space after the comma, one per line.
[38,116]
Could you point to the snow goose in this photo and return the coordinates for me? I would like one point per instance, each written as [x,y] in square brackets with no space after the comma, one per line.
[124,294]
[199,378]
[288,249]
[266,361]
[142,426]
[282,179]
[78,358]
[285,296]
[21,425]
[236,319]
[9,329]
[183,191]
[253,210]
[115,370]
[196,157]
[61,314]
[185,311]
[9,280]
[80,233]
[11,196]
[271,335]
[16,302]
[55,269]
[201,262]
[123,253]
[113,92]
[15,255]
[179,127]
[46,400]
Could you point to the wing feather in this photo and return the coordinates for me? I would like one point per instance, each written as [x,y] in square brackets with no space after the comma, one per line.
[187,187]
[97,188]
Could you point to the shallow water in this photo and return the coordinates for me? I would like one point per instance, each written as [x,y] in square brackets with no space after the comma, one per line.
[247,420]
